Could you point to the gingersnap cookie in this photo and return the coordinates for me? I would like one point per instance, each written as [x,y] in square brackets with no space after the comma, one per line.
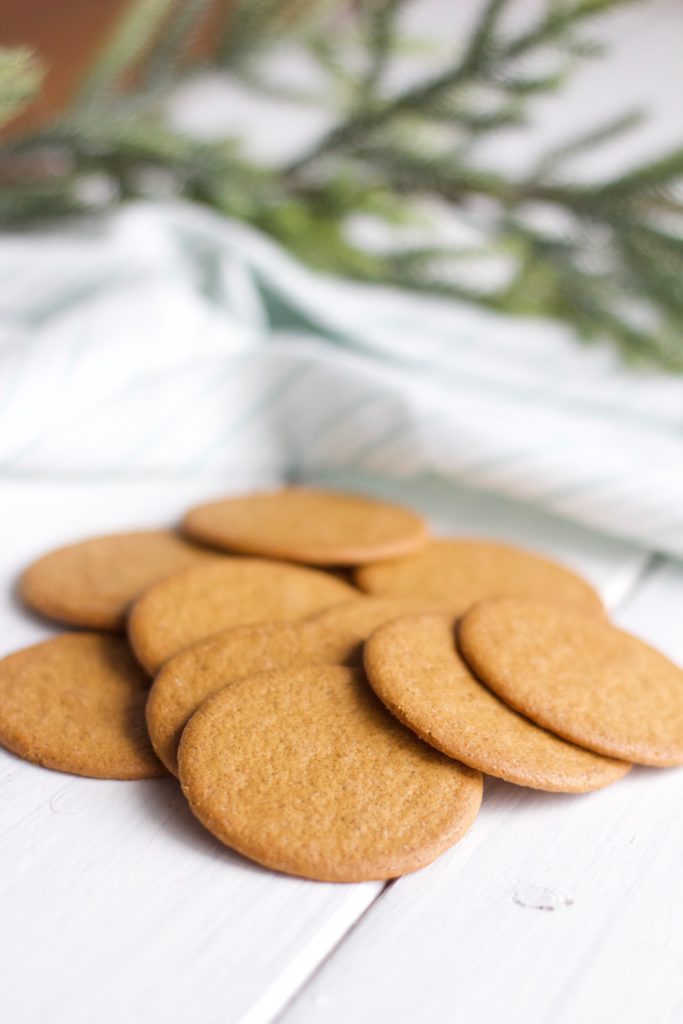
[305,771]
[579,676]
[414,667]
[318,527]
[92,583]
[460,572]
[225,592]
[76,703]
[334,637]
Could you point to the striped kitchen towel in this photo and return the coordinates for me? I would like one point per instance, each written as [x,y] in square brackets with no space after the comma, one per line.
[166,341]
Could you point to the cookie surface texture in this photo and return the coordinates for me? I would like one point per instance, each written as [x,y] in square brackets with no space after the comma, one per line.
[333,637]
[579,676]
[318,527]
[76,703]
[414,667]
[304,771]
[226,592]
[186,680]
[460,572]
[94,582]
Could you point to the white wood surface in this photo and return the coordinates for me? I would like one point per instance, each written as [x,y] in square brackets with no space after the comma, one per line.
[117,905]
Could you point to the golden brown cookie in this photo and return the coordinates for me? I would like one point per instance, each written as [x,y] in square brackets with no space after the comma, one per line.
[93,583]
[193,604]
[318,527]
[460,572]
[76,703]
[580,677]
[333,637]
[304,771]
[414,667]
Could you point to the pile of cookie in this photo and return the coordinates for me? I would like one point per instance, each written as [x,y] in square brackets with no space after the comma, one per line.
[327,681]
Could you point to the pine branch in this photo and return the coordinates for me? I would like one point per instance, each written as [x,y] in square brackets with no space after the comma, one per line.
[560,19]
[471,122]
[130,40]
[663,277]
[20,77]
[177,32]
[487,57]
[28,204]
[251,26]
[483,41]
[530,86]
[652,176]
[386,151]
[380,18]
[588,141]
[366,122]
[552,280]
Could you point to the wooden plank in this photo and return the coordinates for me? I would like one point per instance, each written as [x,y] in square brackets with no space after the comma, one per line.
[125,908]
[112,895]
[554,908]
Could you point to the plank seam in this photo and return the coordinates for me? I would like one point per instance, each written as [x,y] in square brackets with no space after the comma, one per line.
[295,995]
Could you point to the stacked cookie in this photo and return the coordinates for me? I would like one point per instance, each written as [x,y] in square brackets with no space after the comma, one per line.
[332,722]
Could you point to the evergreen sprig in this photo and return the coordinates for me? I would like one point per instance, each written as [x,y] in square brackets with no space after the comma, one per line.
[605,257]
[20,78]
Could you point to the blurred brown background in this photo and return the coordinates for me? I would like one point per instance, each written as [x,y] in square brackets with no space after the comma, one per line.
[68,35]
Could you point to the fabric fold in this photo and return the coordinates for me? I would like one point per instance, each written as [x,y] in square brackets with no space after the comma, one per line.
[166,341]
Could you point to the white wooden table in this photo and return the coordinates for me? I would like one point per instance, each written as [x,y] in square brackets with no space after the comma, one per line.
[117,906]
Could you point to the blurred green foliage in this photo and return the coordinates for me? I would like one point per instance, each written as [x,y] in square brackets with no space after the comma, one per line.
[605,257]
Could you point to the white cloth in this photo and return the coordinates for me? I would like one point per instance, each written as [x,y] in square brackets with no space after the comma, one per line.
[166,341]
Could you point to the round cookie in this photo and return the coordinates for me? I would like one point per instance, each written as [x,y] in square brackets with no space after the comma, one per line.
[317,527]
[333,636]
[460,572]
[76,703]
[93,583]
[580,677]
[414,667]
[225,592]
[304,771]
